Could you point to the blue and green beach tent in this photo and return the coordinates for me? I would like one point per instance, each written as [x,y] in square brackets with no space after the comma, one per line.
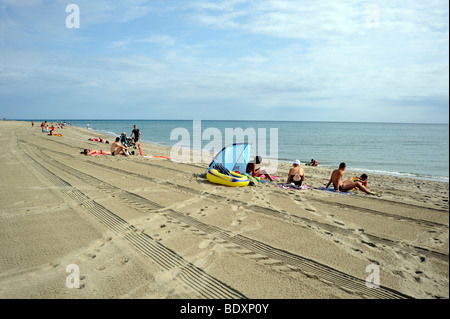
[234,157]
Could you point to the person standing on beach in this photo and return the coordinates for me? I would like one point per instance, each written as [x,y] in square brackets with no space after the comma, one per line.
[344,186]
[136,133]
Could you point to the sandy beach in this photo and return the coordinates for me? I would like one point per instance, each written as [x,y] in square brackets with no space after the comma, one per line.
[149,228]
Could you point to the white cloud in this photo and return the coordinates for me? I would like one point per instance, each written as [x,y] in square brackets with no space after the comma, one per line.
[159,39]
[262,55]
[407,48]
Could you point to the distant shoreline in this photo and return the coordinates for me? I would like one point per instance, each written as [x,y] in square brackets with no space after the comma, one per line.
[358,170]
[208,120]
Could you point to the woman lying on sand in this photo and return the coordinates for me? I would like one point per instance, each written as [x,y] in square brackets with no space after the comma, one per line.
[52,133]
[101,140]
[95,152]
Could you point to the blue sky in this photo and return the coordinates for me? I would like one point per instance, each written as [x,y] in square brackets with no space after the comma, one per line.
[370,61]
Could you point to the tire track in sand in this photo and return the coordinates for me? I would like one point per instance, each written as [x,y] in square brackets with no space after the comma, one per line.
[260,250]
[368,239]
[195,278]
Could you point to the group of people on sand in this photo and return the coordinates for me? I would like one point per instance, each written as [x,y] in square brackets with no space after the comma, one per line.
[51,130]
[341,185]
[296,176]
[117,148]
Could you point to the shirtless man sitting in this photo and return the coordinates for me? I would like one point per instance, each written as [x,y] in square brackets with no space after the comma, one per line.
[117,148]
[344,186]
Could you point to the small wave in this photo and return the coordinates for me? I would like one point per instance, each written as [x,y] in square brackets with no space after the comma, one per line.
[427,177]
[436,178]
[104,132]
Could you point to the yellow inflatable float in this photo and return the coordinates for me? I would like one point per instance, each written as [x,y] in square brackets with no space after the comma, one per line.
[234,179]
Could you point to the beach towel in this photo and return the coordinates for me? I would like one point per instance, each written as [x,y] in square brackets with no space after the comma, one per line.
[99,153]
[253,180]
[290,186]
[331,190]
[273,177]
[160,157]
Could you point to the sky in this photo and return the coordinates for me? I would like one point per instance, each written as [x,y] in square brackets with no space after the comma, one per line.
[287,60]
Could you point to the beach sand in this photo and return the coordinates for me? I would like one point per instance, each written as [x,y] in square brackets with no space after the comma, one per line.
[149,228]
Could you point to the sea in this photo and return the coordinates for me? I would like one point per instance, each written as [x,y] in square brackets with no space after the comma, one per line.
[418,151]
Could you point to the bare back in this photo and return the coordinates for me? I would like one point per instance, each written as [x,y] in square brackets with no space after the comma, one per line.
[336,178]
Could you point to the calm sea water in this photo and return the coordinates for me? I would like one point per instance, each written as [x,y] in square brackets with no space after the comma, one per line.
[404,150]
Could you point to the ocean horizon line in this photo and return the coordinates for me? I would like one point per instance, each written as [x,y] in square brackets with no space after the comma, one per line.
[240,120]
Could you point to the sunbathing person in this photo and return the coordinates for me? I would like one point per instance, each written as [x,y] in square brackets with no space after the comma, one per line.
[101,140]
[257,172]
[95,152]
[52,133]
[296,174]
[117,148]
[344,186]
[313,163]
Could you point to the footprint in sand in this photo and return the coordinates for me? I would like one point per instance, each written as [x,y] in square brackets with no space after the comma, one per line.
[124,260]
[239,218]
[202,211]
[205,243]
